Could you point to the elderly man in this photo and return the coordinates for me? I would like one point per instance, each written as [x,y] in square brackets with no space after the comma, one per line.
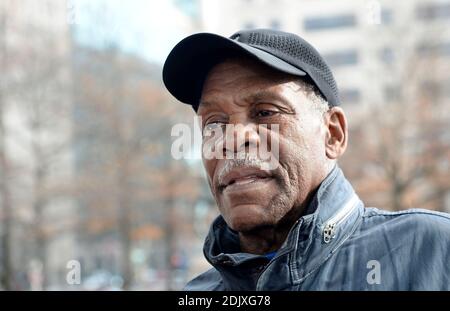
[297,225]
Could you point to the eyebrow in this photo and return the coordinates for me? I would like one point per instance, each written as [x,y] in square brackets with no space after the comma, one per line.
[205,104]
[266,95]
[252,98]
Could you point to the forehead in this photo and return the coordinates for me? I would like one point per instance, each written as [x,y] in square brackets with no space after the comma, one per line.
[243,76]
[243,69]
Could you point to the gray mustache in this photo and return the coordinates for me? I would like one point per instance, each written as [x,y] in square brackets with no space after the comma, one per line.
[247,162]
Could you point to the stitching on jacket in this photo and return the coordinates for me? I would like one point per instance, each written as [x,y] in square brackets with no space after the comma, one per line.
[414,211]
[333,251]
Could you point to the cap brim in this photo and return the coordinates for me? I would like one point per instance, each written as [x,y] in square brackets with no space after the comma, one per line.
[192,58]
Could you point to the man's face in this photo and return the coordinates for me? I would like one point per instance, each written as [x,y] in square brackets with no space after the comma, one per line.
[247,93]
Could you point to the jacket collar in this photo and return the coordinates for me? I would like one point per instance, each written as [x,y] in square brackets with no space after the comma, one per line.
[331,217]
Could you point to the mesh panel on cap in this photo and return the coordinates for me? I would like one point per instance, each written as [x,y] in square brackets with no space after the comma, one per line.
[187,65]
[296,49]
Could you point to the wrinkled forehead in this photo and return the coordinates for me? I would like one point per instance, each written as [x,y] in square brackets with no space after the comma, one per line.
[239,66]
[242,74]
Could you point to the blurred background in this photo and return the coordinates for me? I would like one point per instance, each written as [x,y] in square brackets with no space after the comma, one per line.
[87,180]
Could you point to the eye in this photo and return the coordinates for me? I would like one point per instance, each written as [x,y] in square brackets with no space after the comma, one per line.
[212,126]
[264,113]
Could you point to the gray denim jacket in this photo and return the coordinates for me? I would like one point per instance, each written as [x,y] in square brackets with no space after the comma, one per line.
[338,245]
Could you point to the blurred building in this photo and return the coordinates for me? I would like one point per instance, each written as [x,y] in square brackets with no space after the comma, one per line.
[357,38]
[36,104]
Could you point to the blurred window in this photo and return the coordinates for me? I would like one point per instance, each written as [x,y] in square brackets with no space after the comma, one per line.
[387,55]
[433,11]
[436,89]
[350,96]
[249,25]
[433,49]
[329,22]
[392,93]
[275,24]
[386,16]
[342,58]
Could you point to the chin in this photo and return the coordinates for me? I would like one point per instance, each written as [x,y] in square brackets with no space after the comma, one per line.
[244,218]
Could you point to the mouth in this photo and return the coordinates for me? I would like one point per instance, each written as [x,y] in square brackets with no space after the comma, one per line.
[243,177]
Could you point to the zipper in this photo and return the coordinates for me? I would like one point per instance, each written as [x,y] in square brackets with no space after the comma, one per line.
[328,230]
[332,223]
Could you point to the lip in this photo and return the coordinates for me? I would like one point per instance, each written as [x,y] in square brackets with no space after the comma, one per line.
[243,176]
[253,186]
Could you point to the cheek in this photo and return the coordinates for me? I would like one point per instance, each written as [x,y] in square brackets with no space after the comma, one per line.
[291,162]
[210,167]
[293,143]
[307,138]
[300,144]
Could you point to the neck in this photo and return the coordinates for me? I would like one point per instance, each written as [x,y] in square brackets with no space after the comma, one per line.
[263,240]
[267,239]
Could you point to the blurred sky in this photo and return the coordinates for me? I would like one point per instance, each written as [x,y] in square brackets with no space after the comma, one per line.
[147,28]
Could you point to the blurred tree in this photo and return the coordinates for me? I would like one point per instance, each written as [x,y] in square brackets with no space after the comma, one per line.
[5,254]
[399,152]
[36,79]
[127,179]
[128,183]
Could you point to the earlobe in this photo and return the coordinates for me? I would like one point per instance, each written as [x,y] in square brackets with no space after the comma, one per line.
[337,133]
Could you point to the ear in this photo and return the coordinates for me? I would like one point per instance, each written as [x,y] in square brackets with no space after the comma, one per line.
[336,133]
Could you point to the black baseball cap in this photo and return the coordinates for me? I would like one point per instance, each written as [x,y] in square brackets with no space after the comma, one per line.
[192,58]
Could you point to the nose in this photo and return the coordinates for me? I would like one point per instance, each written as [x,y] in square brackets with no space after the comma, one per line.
[241,138]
